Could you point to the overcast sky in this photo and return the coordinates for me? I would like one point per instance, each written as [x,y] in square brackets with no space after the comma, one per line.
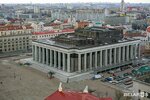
[70,1]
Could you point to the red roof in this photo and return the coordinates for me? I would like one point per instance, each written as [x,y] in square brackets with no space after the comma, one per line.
[135,35]
[40,33]
[68,30]
[69,95]
[54,24]
[66,21]
[54,32]
[14,27]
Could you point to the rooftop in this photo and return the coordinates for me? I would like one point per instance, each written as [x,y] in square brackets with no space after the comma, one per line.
[86,38]
[72,95]
[14,27]
[71,46]
[54,32]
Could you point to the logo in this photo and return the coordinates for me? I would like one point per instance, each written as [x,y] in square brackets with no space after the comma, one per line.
[141,94]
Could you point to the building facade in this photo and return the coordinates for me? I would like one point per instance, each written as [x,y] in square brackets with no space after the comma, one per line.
[77,55]
[83,60]
[50,34]
[117,20]
[79,14]
[15,38]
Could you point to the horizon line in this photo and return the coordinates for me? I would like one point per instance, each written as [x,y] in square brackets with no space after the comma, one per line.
[75,2]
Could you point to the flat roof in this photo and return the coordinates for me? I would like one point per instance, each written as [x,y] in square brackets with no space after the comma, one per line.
[72,46]
[78,41]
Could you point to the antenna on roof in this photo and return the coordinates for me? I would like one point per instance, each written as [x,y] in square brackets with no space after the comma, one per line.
[60,87]
[85,90]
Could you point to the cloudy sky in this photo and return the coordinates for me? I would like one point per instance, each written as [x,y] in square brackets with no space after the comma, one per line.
[70,1]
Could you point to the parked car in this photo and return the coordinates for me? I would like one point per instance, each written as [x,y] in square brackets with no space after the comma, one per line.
[114,82]
[97,76]
[128,83]
[109,78]
[111,72]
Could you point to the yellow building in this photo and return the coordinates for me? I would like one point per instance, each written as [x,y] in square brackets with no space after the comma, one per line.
[15,38]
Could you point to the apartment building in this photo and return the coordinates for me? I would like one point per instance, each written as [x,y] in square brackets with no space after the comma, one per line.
[15,38]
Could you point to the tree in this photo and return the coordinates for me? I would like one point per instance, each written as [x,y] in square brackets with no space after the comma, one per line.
[50,74]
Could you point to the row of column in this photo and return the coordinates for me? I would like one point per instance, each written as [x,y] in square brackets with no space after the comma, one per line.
[85,61]
[107,57]
[51,58]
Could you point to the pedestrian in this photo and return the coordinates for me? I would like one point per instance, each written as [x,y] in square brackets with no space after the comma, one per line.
[14,75]
[1,82]
[67,80]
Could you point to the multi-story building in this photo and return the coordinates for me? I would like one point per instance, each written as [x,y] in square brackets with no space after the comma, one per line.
[147,46]
[55,25]
[91,49]
[82,24]
[117,20]
[148,20]
[79,14]
[50,34]
[38,27]
[15,38]
[138,34]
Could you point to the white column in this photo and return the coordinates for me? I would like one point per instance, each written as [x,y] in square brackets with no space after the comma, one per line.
[51,58]
[39,54]
[36,53]
[135,52]
[115,60]
[90,60]
[68,62]
[59,60]
[64,62]
[101,58]
[85,62]
[47,57]
[123,54]
[79,62]
[139,49]
[127,53]
[119,55]
[110,55]
[96,59]
[131,52]
[43,55]
[106,57]
[33,52]
[55,60]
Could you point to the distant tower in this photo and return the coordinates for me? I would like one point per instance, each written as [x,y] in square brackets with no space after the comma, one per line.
[122,7]
[106,12]
[69,6]
[36,9]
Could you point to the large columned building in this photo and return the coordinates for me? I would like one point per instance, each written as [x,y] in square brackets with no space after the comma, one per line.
[75,53]
[80,60]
